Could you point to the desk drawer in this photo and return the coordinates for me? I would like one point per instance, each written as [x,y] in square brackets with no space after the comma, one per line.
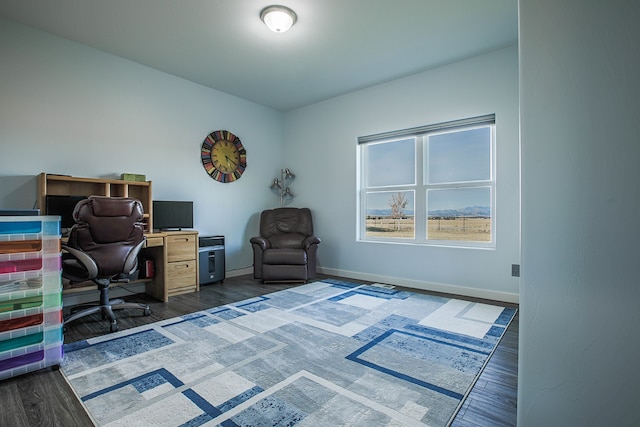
[181,275]
[153,242]
[182,247]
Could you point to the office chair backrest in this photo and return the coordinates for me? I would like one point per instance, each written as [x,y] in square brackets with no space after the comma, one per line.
[108,229]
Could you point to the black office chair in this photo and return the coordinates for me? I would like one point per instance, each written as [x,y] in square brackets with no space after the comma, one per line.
[103,245]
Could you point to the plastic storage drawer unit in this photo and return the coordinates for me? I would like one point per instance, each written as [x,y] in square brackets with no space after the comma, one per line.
[30,294]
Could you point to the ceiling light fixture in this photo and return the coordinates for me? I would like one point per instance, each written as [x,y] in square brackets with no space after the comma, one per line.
[278,18]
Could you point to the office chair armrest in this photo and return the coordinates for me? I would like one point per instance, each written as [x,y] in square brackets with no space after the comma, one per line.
[131,263]
[82,257]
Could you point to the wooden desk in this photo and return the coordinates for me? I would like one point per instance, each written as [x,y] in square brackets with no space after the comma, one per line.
[175,261]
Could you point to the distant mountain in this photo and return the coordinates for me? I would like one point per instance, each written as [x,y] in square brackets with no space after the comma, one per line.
[385,212]
[469,211]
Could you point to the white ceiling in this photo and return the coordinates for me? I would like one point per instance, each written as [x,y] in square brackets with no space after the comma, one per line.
[337,46]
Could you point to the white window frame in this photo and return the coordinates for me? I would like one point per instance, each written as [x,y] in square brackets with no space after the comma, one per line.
[421,186]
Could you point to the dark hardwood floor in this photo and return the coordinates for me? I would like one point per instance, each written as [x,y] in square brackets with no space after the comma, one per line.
[43,398]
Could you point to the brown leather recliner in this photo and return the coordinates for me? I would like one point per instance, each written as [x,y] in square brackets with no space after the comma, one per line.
[286,248]
[104,244]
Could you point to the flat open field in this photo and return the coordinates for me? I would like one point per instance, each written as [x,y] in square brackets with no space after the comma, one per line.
[467,229]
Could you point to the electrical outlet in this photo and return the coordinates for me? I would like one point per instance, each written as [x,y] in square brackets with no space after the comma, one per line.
[515,270]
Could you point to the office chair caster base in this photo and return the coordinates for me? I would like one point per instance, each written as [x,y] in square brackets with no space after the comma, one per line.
[113,327]
[147,311]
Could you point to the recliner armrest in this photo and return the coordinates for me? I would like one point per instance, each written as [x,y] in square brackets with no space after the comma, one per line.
[261,242]
[310,241]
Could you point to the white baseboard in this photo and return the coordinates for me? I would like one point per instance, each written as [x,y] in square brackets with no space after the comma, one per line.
[426,286]
[239,272]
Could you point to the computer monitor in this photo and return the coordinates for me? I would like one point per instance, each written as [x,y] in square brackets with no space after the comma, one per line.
[172,214]
[62,206]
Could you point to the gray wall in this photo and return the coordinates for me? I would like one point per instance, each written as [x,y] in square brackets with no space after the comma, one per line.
[580,102]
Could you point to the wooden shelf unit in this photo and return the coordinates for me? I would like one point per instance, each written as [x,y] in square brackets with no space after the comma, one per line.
[64,185]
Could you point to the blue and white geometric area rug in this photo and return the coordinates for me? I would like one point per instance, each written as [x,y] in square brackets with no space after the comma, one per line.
[329,353]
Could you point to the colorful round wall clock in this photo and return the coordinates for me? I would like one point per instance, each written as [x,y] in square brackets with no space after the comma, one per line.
[223,156]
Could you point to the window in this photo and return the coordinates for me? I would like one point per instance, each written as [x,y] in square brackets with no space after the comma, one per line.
[433,184]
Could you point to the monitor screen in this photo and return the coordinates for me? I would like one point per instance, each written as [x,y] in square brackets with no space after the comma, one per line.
[172,214]
[62,206]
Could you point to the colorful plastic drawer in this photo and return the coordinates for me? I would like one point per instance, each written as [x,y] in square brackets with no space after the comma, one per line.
[20,227]
[29,315]
[47,225]
[17,261]
[14,329]
[42,281]
[12,247]
[30,294]
[35,319]
[29,339]
[46,301]
[14,266]
[31,352]
[21,322]
[16,270]
[29,362]
[45,245]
